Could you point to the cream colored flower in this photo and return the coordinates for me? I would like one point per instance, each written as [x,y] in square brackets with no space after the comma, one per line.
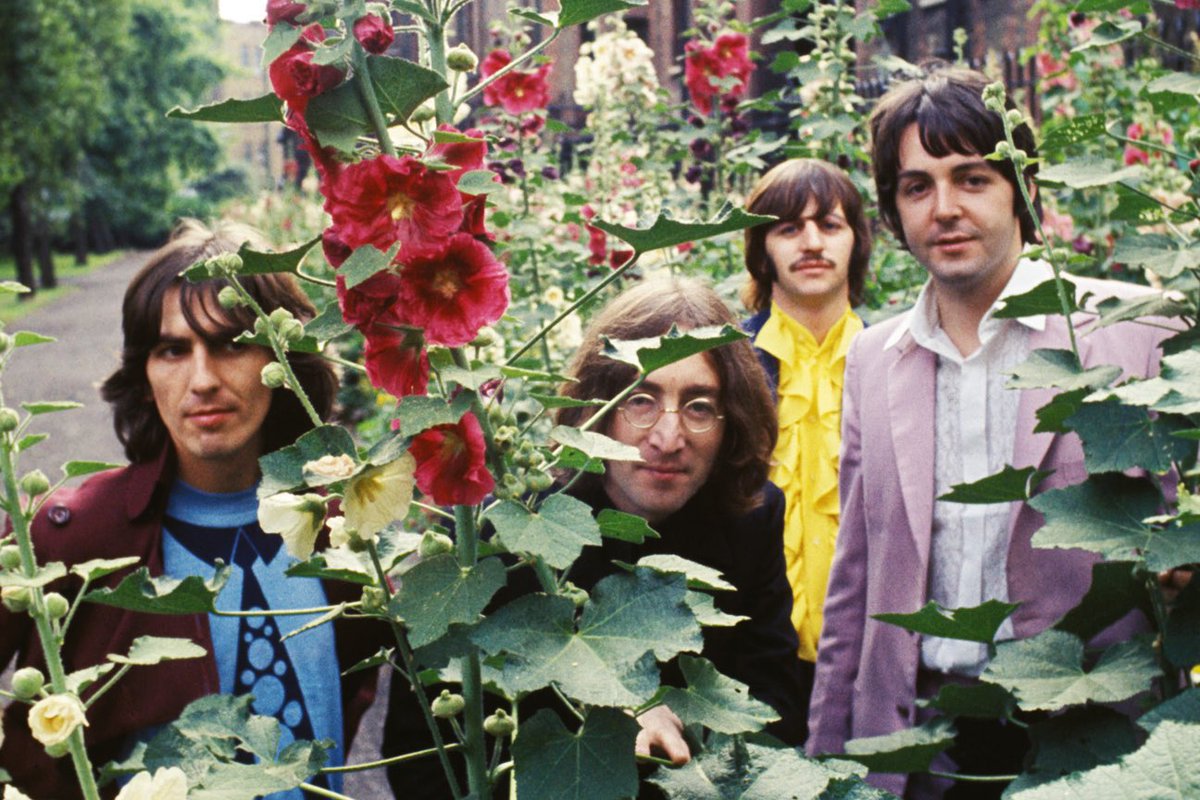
[297,519]
[339,535]
[330,467]
[13,793]
[379,495]
[53,719]
[167,783]
[554,296]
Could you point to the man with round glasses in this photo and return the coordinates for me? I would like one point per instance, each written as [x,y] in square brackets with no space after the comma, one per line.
[705,428]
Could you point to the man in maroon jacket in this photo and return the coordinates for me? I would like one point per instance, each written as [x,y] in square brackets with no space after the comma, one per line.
[191,408]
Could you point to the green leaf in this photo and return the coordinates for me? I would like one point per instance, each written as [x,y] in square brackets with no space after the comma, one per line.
[656,352]
[1103,515]
[980,700]
[625,527]
[1087,172]
[402,86]
[1136,208]
[337,117]
[1116,309]
[715,701]
[577,12]
[595,762]
[45,574]
[162,595]
[1059,369]
[478,181]
[1077,740]
[1166,767]
[537,375]
[472,378]
[732,768]
[97,568]
[1110,32]
[558,531]
[81,679]
[258,263]
[1116,589]
[1176,389]
[437,592]
[284,469]
[707,613]
[1163,254]
[1046,671]
[327,617]
[27,338]
[975,624]
[1118,437]
[548,18]
[1062,132]
[14,287]
[30,440]
[699,576]
[365,262]
[570,458]
[327,325]
[278,41]
[1181,634]
[1008,485]
[1173,547]
[343,564]
[267,108]
[1041,299]
[669,232]
[595,445]
[554,401]
[1052,417]
[629,621]
[418,413]
[77,469]
[908,750]
[146,651]
[1176,82]
[1183,707]
[49,407]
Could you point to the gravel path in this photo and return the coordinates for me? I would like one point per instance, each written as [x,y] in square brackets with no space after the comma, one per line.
[87,326]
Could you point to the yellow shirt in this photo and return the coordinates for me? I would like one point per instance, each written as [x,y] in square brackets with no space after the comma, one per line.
[806,456]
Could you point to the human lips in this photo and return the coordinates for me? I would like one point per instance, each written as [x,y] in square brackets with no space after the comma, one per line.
[662,471]
[209,417]
[811,265]
[952,242]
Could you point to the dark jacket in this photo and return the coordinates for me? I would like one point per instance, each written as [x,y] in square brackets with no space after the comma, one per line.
[113,515]
[769,362]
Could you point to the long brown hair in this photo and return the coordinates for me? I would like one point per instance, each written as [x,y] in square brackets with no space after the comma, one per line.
[650,309]
[135,417]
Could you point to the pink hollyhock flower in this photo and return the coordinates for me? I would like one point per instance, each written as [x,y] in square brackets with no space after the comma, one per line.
[295,78]
[732,51]
[1055,72]
[372,301]
[1187,5]
[374,33]
[387,199]
[516,92]
[700,66]
[283,11]
[1134,155]
[463,156]
[455,291]
[451,463]
[396,360]
[492,63]
[597,245]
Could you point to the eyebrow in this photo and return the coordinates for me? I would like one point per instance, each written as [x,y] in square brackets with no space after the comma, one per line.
[968,166]
[692,389]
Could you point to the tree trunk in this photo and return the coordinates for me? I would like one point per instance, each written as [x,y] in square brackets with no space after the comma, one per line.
[41,240]
[22,246]
[79,237]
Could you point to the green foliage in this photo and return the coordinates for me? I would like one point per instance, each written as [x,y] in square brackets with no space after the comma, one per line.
[718,703]
[978,624]
[594,762]
[735,768]
[438,593]
[161,595]
[909,750]
[556,532]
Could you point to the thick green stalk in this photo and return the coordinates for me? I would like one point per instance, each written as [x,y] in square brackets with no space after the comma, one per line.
[366,91]
[280,354]
[435,38]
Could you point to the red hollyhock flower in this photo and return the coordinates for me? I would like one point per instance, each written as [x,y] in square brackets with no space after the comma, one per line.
[463,156]
[454,292]
[372,301]
[283,11]
[517,92]
[324,158]
[451,463]
[386,199]
[732,51]
[396,360]
[492,63]
[1187,5]
[597,245]
[374,33]
[474,218]
[700,65]
[295,78]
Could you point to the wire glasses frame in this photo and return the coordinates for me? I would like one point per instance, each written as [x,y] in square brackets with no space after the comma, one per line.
[698,415]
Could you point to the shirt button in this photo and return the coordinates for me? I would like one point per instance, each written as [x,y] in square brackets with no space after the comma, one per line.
[60,515]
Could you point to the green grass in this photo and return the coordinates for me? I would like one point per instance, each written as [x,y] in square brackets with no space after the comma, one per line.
[12,307]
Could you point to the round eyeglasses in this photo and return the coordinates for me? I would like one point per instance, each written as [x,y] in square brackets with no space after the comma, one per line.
[698,415]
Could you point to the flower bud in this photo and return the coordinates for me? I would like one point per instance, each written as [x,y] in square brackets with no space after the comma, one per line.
[485,337]
[56,605]
[1004,149]
[35,483]
[993,96]
[499,724]
[278,316]
[273,375]
[16,598]
[538,480]
[225,265]
[434,544]
[574,594]
[504,437]
[58,750]
[9,420]
[1015,117]
[423,113]
[291,330]
[511,487]
[228,298]
[10,557]
[374,600]
[460,58]
[27,682]
[447,705]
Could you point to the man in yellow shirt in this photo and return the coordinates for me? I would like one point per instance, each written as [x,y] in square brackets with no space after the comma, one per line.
[806,271]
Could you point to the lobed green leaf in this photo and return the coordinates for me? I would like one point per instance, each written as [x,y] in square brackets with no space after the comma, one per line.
[669,232]
[437,592]
[908,750]
[557,532]
[1008,485]
[146,651]
[268,108]
[163,595]
[595,762]
[975,624]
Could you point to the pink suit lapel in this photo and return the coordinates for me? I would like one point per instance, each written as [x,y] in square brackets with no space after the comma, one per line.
[911,389]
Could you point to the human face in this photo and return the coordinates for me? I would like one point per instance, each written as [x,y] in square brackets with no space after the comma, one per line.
[675,462]
[812,258]
[212,400]
[957,215]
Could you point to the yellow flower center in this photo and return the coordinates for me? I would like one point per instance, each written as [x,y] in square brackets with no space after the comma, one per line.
[369,489]
[446,283]
[400,206]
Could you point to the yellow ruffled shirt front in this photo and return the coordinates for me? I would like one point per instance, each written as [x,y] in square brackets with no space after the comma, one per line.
[806,456]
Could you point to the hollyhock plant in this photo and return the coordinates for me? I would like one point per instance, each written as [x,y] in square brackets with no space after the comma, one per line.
[294,76]
[728,57]
[283,11]
[167,783]
[386,200]
[379,495]
[455,291]
[396,360]
[464,156]
[732,51]
[700,65]
[451,463]
[516,92]
[296,518]
[374,33]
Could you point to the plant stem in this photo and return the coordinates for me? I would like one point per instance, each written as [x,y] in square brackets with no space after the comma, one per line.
[108,684]
[362,79]
[320,792]
[435,39]
[280,354]
[387,762]
[955,776]
[510,66]
[277,612]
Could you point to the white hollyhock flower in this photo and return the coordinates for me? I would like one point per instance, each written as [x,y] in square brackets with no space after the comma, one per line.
[53,719]
[339,535]
[13,793]
[167,783]
[379,495]
[296,518]
[330,467]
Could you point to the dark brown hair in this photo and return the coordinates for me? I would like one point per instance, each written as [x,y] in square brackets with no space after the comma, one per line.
[650,309]
[946,105]
[784,192]
[138,425]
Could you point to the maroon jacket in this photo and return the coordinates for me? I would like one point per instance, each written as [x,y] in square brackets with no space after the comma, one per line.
[113,515]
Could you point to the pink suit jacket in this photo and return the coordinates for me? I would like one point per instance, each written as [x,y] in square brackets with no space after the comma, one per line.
[866,674]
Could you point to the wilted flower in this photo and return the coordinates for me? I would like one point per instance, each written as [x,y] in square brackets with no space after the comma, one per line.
[294,76]
[451,463]
[167,783]
[396,360]
[53,719]
[283,11]
[374,33]
[330,467]
[454,292]
[339,536]
[379,495]
[296,518]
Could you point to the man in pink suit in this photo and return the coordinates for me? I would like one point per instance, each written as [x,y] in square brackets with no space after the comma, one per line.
[925,407]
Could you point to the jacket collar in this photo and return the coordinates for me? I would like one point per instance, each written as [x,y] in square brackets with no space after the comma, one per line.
[148,480]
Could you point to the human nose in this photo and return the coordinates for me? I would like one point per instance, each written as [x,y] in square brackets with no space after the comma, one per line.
[810,237]
[203,377]
[666,434]
[946,204]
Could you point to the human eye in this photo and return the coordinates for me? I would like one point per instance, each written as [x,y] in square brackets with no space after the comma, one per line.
[832,224]
[785,229]
[641,409]
[702,409]
[168,350]
[978,180]
[912,188]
